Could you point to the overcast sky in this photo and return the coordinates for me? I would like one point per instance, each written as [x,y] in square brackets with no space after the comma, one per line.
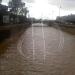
[70,4]
[67,7]
[66,4]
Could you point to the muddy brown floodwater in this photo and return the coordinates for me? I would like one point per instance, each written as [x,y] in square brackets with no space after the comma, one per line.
[41,51]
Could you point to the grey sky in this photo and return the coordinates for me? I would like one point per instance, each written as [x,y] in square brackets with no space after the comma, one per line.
[65,4]
[29,1]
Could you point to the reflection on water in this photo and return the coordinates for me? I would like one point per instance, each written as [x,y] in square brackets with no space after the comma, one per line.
[59,53]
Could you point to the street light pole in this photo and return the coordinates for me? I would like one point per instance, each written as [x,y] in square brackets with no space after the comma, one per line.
[52,14]
[59,7]
[59,10]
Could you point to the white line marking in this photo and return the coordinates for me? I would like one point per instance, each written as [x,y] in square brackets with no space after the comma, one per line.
[33,43]
[61,39]
[61,42]
[44,42]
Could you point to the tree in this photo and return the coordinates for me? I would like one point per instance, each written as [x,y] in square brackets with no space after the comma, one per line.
[16,6]
[24,11]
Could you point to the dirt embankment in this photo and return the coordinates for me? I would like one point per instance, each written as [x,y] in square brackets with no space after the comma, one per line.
[10,35]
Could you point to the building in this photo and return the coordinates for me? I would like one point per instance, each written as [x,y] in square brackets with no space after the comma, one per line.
[3,12]
[69,18]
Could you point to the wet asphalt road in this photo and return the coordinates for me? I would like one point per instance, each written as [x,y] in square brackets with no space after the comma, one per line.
[41,50]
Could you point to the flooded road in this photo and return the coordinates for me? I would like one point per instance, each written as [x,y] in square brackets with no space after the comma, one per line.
[41,50]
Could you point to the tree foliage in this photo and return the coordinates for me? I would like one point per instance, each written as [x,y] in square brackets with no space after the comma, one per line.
[17,7]
[24,11]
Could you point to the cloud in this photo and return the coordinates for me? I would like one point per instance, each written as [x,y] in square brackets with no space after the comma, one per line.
[29,1]
[6,1]
[65,4]
[69,4]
